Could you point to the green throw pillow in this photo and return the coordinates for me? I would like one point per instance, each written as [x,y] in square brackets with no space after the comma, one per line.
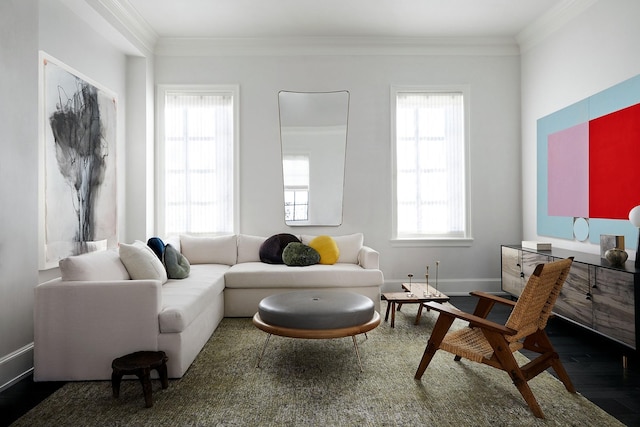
[299,255]
[177,265]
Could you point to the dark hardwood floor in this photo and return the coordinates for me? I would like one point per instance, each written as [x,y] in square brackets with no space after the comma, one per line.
[595,365]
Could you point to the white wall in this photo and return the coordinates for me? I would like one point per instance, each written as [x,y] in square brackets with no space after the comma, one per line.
[594,51]
[18,183]
[495,148]
[25,28]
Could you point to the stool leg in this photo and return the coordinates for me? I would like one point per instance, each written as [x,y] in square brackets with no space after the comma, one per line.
[419,314]
[144,375]
[386,316]
[116,378]
[164,376]
[393,314]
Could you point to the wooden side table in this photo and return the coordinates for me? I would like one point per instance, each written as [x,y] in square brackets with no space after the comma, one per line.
[421,293]
[140,364]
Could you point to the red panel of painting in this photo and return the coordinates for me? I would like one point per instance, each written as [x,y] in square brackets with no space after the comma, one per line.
[614,163]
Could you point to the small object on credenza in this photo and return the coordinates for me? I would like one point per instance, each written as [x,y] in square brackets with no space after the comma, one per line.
[538,246]
[610,241]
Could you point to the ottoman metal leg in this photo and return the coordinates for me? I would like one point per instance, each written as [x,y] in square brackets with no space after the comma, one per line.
[355,345]
[264,347]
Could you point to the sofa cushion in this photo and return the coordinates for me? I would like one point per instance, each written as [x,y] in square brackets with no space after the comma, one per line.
[256,275]
[349,246]
[249,247]
[327,248]
[184,300]
[157,245]
[209,250]
[299,255]
[94,266]
[141,262]
[271,249]
[176,264]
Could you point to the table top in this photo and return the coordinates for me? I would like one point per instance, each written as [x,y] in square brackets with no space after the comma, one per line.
[421,292]
[140,359]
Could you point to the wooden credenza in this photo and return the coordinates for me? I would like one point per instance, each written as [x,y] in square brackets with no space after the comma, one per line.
[596,295]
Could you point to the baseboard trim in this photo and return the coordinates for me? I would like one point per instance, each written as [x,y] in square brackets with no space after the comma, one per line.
[16,366]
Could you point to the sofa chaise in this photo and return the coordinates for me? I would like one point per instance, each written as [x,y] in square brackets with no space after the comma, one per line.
[98,310]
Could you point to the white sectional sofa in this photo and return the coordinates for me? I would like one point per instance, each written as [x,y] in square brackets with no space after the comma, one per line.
[95,312]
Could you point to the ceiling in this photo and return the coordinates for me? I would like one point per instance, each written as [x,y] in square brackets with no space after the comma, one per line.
[339,18]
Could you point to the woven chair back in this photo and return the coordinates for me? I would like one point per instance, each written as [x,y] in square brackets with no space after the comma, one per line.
[534,305]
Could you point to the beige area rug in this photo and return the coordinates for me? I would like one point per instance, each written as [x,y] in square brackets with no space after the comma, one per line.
[319,383]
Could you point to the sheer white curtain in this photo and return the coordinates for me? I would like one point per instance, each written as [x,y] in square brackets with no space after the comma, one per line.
[430,165]
[198,162]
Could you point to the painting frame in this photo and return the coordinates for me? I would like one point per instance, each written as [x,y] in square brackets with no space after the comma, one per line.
[77,196]
[611,102]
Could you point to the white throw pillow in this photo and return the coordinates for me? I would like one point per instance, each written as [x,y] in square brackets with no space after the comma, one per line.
[209,250]
[93,266]
[349,246]
[249,248]
[141,262]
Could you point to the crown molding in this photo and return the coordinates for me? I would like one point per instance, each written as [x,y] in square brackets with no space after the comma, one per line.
[126,19]
[311,46]
[550,22]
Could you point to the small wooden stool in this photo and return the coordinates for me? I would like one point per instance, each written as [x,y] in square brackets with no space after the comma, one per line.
[140,364]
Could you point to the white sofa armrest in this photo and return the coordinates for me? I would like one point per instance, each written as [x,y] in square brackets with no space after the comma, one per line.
[369,258]
[81,326]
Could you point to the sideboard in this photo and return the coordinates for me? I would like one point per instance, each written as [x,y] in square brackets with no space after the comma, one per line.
[596,295]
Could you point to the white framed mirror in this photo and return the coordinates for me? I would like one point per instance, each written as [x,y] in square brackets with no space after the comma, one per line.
[313,136]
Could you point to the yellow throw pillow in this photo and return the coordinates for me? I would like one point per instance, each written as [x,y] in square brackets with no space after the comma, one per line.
[327,248]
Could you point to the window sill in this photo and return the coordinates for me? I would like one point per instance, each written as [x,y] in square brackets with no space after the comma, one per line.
[433,242]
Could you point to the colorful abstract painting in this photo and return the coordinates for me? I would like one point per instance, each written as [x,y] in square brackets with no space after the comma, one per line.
[79,159]
[588,174]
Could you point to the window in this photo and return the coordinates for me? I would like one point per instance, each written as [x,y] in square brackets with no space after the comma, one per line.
[197,160]
[296,187]
[430,152]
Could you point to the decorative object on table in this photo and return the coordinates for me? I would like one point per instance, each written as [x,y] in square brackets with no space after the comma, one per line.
[437,266]
[78,164]
[634,218]
[410,286]
[426,276]
[616,256]
[537,246]
[610,241]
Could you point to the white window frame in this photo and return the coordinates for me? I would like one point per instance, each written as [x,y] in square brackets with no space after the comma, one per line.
[429,240]
[161,91]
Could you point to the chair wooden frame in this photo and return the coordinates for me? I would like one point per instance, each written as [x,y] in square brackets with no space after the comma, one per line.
[493,344]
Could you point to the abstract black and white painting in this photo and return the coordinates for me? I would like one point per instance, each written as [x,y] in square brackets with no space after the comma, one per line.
[80,212]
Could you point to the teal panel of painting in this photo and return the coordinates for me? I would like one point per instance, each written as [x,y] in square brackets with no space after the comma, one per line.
[612,226]
[620,96]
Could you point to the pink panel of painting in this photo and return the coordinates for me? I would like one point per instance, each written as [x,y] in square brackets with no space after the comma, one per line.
[568,172]
[614,156]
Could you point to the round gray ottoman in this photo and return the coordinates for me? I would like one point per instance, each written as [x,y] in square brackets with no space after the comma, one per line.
[316,314]
[316,309]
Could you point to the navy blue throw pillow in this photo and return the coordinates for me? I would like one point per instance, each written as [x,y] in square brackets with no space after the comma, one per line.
[157,245]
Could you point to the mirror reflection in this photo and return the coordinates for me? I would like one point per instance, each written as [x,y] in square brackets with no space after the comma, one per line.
[313,134]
